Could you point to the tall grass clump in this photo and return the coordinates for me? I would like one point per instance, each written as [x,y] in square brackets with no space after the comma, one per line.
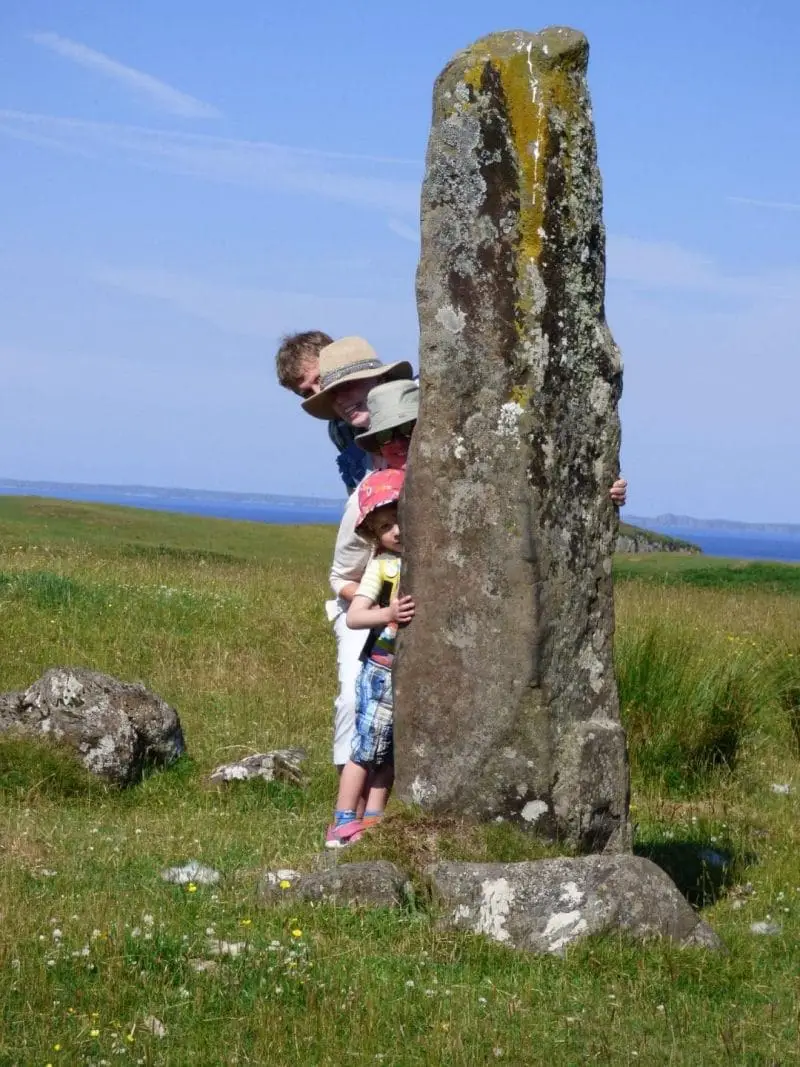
[784,670]
[687,705]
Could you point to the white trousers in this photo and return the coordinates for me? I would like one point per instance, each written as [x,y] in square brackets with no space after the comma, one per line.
[349,644]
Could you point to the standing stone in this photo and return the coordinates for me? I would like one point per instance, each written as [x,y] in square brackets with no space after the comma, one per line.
[506,702]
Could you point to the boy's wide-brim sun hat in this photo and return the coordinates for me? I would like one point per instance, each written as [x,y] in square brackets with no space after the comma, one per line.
[378,490]
[349,360]
[390,404]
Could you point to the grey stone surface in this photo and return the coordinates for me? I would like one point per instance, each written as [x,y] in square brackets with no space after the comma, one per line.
[547,905]
[504,683]
[376,883]
[192,872]
[282,765]
[116,728]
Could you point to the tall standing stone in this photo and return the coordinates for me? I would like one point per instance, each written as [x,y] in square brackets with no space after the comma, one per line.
[505,697]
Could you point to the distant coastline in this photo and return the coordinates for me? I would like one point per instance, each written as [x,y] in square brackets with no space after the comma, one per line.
[664,533]
[152,492]
[688,522]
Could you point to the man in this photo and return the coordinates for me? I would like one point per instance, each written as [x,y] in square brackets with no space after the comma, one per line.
[297,366]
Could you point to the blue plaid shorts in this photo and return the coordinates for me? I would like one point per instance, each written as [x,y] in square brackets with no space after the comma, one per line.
[373,740]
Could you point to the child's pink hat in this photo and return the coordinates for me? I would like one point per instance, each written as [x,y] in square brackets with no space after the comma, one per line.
[377,490]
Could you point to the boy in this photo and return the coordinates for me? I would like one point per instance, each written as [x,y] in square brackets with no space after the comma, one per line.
[375,607]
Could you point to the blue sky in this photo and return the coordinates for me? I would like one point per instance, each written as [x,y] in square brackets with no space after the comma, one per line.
[184,182]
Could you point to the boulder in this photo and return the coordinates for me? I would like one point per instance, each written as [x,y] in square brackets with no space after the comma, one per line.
[282,765]
[546,905]
[505,696]
[375,883]
[116,728]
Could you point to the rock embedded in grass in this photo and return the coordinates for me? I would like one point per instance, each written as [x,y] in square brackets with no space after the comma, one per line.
[190,873]
[116,728]
[373,884]
[547,905]
[281,765]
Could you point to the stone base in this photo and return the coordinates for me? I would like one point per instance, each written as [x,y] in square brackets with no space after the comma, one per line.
[547,905]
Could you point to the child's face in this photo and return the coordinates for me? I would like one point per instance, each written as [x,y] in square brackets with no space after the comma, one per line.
[383,526]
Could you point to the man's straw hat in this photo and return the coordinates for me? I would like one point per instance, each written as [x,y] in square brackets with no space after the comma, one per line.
[349,360]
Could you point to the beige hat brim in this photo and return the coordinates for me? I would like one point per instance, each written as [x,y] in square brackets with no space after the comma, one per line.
[320,405]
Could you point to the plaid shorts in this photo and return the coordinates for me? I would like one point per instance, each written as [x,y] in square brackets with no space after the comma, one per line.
[373,740]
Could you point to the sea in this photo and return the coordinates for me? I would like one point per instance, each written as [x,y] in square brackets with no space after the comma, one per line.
[255,507]
[744,543]
[736,544]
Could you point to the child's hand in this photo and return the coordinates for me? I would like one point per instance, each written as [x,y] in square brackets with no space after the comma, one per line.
[402,610]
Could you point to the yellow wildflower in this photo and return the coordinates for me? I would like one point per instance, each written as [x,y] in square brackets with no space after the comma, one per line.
[285,884]
[191,888]
[94,1033]
[56,1048]
[297,932]
[246,922]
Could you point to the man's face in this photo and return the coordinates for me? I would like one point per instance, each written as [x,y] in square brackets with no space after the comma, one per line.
[308,382]
[349,402]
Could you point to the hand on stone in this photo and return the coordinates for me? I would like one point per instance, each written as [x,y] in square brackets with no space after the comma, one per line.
[402,610]
[619,492]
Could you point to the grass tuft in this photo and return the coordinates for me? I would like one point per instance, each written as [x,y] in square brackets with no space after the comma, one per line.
[687,713]
[41,769]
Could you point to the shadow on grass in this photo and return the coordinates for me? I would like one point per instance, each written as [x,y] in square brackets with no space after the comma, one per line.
[702,871]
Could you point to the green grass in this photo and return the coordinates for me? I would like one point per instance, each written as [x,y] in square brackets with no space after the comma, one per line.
[225,621]
[708,572]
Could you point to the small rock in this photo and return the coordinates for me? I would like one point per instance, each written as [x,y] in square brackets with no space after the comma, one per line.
[377,884]
[193,871]
[781,788]
[282,765]
[154,1026]
[227,948]
[201,966]
[765,928]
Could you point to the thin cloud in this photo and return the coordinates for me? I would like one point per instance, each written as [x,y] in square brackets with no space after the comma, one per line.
[363,181]
[163,96]
[664,265]
[402,229]
[775,205]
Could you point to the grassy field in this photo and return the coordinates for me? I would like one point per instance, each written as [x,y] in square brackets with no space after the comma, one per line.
[225,621]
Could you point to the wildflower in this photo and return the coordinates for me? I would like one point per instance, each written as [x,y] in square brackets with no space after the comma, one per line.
[191,888]
[94,1033]
[56,1048]
[130,1038]
[246,922]
[285,884]
[297,932]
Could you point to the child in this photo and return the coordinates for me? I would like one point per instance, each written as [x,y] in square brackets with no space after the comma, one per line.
[375,607]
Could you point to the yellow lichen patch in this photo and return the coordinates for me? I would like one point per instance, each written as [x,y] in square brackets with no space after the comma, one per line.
[522,395]
[531,95]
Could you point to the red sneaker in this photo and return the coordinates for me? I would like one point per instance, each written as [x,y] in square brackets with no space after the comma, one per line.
[347,833]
